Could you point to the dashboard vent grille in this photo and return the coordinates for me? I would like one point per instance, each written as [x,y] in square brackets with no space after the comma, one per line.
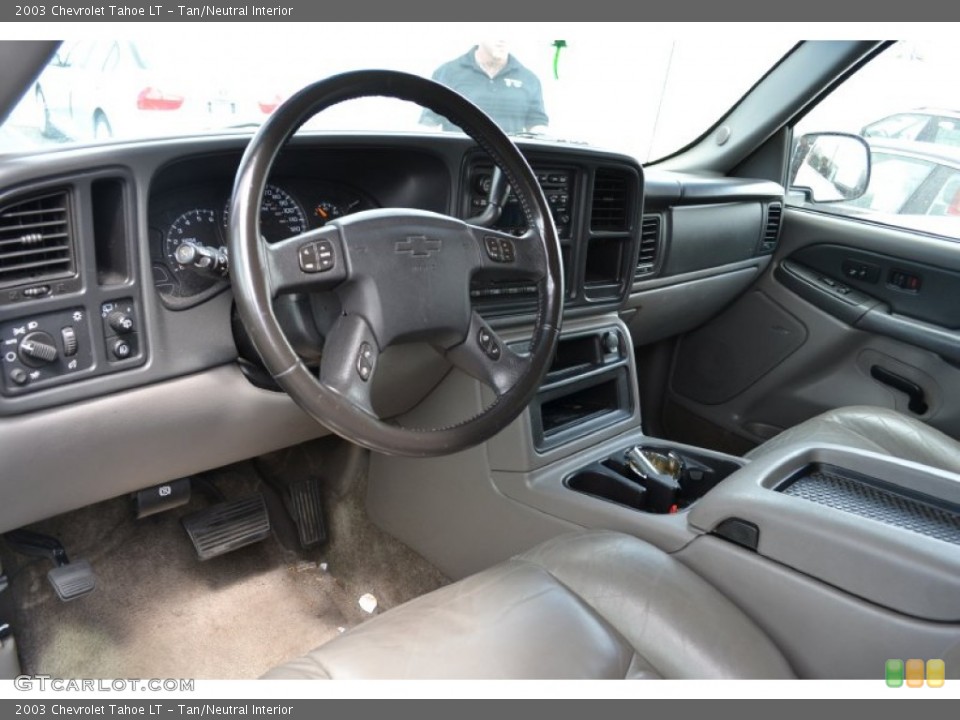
[771,229]
[35,240]
[649,246]
[611,201]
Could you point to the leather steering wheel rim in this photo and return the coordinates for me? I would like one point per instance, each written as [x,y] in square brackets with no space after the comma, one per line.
[259,272]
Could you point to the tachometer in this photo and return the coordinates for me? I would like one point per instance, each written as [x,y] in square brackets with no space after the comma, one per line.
[281,216]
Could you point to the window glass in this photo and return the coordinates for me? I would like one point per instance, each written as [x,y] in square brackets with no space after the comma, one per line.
[893,181]
[898,103]
[903,127]
[618,86]
[947,132]
[947,200]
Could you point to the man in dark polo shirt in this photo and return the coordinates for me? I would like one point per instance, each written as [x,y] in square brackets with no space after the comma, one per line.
[498,83]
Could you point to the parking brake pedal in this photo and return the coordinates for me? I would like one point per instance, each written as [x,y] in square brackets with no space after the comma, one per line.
[304,506]
[70,580]
[227,526]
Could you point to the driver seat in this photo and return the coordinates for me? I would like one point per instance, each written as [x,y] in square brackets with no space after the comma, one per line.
[592,605]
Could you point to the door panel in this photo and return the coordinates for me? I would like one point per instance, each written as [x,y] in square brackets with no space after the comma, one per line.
[809,338]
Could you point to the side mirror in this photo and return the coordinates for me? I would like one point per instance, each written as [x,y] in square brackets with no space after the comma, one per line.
[830,167]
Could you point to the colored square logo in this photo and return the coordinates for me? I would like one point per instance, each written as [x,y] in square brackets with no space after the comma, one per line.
[914,673]
[936,673]
[894,673]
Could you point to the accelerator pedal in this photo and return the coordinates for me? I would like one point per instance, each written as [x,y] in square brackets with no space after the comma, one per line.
[227,526]
[70,580]
[303,504]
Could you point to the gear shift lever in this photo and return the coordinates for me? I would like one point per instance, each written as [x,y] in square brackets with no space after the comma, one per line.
[659,473]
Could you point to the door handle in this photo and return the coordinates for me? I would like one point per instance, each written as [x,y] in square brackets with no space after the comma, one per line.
[918,404]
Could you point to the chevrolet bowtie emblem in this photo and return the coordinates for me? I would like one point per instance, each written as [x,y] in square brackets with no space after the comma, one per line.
[418,246]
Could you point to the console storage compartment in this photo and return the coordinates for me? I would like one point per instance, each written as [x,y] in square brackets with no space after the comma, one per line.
[879,528]
[575,409]
[586,388]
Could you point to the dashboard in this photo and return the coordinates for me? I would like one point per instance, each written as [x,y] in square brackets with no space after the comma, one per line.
[111,301]
[133,361]
[124,310]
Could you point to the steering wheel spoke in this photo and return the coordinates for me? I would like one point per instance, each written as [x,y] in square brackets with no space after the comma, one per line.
[484,356]
[349,361]
[308,262]
[510,256]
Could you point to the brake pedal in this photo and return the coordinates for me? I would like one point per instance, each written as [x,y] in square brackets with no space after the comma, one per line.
[306,509]
[227,526]
[73,580]
[70,580]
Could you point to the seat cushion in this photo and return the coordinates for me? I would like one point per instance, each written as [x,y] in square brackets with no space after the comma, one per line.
[588,605]
[871,428]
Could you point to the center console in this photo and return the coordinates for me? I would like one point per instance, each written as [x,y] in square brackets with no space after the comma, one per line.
[830,512]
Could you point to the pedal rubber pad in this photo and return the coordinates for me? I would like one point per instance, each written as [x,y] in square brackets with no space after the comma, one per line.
[73,580]
[226,526]
[307,512]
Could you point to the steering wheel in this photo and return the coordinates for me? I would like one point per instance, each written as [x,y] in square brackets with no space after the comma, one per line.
[401,275]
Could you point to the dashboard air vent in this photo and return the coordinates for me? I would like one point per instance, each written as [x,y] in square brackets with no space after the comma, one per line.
[649,246]
[611,202]
[771,229]
[35,240]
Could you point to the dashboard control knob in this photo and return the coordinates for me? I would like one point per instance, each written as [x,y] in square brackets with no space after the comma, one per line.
[121,349]
[37,349]
[68,337]
[19,376]
[120,322]
[611,342]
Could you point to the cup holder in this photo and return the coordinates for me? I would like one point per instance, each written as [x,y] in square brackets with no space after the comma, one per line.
[613,480]
[601,482]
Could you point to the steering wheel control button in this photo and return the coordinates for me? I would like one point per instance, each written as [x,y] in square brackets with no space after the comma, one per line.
[308,258]
[37,349]
[488,344]
[325,255]
[499,250]
[365,360]
[317,257]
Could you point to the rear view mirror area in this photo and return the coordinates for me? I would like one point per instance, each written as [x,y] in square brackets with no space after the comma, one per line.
[830,167]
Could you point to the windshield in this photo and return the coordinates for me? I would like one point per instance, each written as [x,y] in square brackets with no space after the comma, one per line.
[615,86]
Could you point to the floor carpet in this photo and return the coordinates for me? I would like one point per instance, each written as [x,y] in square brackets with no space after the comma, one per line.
[158,612]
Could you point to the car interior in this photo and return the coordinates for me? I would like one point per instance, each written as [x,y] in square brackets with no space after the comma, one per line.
[495,407]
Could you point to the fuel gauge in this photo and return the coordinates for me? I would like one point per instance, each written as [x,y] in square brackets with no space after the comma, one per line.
[327,211]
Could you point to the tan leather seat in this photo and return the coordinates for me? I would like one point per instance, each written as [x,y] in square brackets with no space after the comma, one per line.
[589,605]
[871,428]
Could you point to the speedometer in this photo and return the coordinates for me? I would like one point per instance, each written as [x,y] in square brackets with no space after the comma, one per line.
[281,216]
